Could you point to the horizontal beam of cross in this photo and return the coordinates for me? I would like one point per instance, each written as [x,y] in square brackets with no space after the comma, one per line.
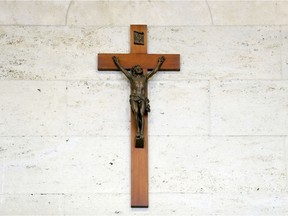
[146,61]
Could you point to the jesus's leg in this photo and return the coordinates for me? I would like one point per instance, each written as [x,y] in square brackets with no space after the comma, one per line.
[135,110]
[142,113]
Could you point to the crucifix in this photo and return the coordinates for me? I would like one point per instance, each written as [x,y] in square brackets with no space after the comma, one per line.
[139,62]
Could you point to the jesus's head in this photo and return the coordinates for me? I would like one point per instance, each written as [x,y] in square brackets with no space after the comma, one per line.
[137,70]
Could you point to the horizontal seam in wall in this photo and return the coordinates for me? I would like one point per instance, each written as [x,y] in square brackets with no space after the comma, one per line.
[151,81]
[152,26]
[95,136]
[120,193]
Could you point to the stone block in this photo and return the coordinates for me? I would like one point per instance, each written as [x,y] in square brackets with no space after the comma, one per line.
[32,165]
[33,12]
[249,107]
[218,165]
[58,165]
[220,52]
[32,108]
[32,204]
[98,108]
[177,164]
[168,204]
[183,104]
[249,13]
[207,52]
[179,108]
[119,13]
[53,53]
[96,165]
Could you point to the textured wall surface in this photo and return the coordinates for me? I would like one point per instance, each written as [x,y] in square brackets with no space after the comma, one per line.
[218,130]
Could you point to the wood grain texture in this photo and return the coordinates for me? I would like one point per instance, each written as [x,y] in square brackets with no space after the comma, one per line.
[146,61]
[139,156]
[139,167]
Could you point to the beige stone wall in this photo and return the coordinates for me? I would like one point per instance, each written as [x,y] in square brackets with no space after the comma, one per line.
[217,131]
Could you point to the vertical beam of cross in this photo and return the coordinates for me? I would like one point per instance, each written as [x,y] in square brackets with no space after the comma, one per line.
[139,156]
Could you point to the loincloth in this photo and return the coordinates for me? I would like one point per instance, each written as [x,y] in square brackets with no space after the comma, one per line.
[140,99]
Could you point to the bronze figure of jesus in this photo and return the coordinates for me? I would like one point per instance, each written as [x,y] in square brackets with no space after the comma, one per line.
[138,98]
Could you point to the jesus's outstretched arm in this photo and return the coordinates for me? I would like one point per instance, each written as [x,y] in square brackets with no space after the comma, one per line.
[117,63]
[160,62]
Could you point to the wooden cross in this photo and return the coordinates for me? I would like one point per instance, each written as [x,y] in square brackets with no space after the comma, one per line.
[139,56]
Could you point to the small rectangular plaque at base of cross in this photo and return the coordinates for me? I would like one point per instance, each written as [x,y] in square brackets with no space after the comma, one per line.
[139,62]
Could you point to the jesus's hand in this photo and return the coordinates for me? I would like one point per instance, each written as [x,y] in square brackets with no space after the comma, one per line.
[161,59]
[115,59]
